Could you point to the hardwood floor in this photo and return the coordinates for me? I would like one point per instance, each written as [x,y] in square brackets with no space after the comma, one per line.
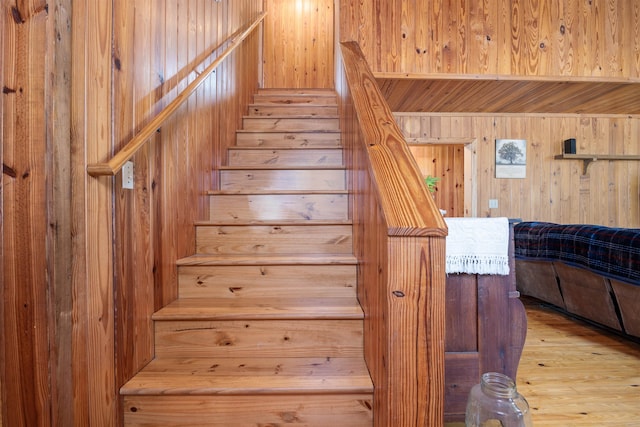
[574,374]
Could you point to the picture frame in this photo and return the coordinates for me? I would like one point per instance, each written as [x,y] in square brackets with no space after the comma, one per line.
[511,158]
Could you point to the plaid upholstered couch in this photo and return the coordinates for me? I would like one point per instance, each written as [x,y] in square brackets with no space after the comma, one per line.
[590,271]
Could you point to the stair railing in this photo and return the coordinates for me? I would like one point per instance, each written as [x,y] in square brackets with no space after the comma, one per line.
[113,166]
[399,240]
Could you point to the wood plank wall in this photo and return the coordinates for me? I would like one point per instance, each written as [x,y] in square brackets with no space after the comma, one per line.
[545,38]
[542,38]
[553,190]
[299,44]
[77,82]
[154,223]
[24,349]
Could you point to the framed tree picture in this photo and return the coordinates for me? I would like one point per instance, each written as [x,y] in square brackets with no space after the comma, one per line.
[511,158]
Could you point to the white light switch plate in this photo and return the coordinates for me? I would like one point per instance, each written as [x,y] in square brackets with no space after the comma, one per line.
[127,175]
[493,203]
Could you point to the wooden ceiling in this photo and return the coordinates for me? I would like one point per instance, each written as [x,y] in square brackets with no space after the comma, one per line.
[503,94]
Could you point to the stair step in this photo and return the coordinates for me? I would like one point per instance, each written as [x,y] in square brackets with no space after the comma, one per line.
[298,96]
[295,99]
[274,239]
[312,410]
[285,308]
[292,108]
[305,206]
[331,123]
[295,157]
[312,91]
[268,259]
[275,192]
[256,391]
[250,376]
[309,179]
[276,225]
[267,329]
[283,139]
[267,281]
[263,338]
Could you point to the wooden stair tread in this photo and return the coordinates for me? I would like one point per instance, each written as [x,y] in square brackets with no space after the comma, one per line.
[284,131]
[287,148]
[299,92]
[291,106]
[279,222]
[287,102]
[261,309]
[295,116]
[273,192]
[258,259]
[281,167]
[295,100]
[253,376]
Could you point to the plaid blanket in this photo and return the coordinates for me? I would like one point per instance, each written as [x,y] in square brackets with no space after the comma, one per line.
[611,252]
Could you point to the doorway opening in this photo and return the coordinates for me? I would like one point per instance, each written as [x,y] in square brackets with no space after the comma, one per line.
[453,161]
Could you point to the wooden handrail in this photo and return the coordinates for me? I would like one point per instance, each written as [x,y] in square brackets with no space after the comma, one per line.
[408,208]
[116,163]
[399,241]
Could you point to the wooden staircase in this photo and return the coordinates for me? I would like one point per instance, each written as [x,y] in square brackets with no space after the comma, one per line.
[267,329]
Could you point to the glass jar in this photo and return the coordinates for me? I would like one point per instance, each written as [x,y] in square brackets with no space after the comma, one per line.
[495,402]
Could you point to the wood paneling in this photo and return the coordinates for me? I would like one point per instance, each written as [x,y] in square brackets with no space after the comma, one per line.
[553,190]
[96,340]
[77,82]
[24,348]
[399,242]
[530,59]
[57,223]
[157,43]
[299,44]
[543,38]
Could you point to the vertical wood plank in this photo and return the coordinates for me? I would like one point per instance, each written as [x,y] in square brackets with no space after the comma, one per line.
[416,310]
[463,33]
[60,204]
[555,168]
[100,345]
[419,24]
[125,82]
[79,366]
[618,172]
[504,58]
[26,150]
[168,178]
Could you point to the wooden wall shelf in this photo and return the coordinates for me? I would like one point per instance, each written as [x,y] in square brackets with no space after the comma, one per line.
[588,158]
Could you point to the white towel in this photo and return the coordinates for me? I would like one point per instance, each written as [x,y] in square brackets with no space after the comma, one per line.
[477,246]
